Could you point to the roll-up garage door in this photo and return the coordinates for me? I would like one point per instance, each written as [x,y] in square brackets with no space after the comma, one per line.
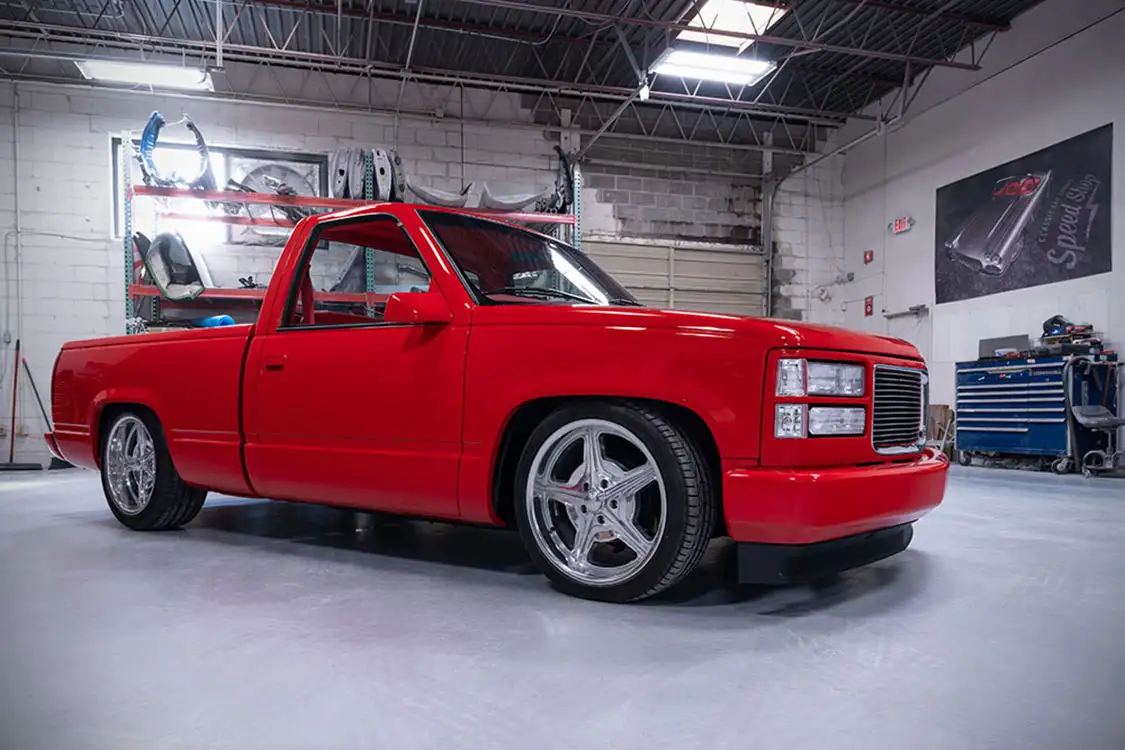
[686,275]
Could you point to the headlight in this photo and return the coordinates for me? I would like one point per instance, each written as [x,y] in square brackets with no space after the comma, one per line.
[837,420]
[835,379]
[791,377]
[789,421]
[796,377]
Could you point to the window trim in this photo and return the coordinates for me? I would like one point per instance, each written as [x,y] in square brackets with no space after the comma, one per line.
[304,259]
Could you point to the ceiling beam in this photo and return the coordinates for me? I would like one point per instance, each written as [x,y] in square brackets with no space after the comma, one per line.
[858,75]
[800,44]
[980,22]
[426,22]
[356,66]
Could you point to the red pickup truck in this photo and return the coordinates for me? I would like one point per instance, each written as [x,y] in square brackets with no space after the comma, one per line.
[515,384]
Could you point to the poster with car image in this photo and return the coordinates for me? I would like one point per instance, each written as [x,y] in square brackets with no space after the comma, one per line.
[1036,220]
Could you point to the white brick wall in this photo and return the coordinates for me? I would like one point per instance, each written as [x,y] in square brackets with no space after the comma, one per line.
[632,202]
[809,242]
[73,286]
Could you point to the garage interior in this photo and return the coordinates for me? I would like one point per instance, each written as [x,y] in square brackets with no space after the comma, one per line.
[831,180]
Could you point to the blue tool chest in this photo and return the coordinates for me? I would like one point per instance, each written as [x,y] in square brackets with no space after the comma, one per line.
[1018,406]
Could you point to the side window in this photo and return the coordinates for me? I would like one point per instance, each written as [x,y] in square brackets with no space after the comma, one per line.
[330,287]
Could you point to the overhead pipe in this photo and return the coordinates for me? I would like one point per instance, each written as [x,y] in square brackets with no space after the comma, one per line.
[609,19]
[219,34]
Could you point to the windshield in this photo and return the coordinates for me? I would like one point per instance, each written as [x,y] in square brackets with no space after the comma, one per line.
[503,263]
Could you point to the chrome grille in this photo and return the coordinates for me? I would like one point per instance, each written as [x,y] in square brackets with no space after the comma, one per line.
[897,417]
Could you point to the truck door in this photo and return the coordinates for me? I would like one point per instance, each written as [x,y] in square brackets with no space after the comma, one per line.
[344,407]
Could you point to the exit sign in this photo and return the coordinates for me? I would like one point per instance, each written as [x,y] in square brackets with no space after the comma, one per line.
[901,224]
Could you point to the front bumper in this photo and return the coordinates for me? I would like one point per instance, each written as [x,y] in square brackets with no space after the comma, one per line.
[807,506]
[793,563]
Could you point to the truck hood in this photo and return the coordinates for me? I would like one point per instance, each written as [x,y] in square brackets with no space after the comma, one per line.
[768,331]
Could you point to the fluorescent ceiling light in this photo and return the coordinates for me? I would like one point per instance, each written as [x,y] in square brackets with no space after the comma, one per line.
[146,74]
[702,66]
[731,15]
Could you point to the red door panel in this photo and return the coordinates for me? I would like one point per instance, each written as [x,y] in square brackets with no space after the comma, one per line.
[365,417]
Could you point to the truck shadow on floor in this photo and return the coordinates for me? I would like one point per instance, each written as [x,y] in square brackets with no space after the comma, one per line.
[395,543]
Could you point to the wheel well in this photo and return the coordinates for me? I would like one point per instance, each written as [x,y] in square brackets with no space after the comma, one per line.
[530,414]
[109,413]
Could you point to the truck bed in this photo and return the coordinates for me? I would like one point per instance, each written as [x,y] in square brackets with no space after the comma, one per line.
[190,379]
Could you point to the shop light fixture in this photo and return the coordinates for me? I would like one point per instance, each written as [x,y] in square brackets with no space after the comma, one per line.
[705,66]
[146,74]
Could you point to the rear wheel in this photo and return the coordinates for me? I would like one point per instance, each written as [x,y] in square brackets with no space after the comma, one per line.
[613,502]
[141,485]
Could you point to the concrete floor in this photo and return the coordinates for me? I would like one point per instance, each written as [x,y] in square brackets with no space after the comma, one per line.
[272,625]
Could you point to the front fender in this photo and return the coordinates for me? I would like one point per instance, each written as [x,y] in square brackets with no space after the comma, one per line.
[709,372]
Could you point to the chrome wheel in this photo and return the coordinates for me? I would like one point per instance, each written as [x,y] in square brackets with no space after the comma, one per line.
[596,502]
[130,465]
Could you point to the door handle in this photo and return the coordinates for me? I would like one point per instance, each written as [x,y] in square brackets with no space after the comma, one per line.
[273,364]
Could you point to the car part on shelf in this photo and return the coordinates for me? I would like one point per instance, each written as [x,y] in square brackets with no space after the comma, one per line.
[383,173]
[282,180]
[338,172]
[353,274]
[435,197]
[564,187]
[512,202]
[177,270]
[204,179]
[357,168]
[232,208]
[398,177]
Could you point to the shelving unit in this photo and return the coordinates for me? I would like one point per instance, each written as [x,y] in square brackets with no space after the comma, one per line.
[137,294]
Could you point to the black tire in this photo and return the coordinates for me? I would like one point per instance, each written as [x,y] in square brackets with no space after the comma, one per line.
[173,503]
[691,504]
[964,458]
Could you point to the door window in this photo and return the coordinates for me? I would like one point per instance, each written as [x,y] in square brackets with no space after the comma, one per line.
[330,288]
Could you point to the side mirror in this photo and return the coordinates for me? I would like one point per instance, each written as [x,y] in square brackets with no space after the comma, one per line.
[417,307]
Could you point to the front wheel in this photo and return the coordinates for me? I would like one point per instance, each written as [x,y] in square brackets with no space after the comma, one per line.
[614,502]
[141,485]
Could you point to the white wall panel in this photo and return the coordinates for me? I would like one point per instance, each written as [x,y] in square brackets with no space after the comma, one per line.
[686,275]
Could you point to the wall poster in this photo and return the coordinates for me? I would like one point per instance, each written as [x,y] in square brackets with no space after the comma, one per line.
[1036,220]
